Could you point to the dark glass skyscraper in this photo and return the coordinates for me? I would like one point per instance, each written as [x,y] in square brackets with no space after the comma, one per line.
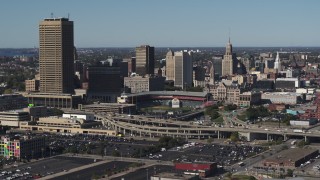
[144,60]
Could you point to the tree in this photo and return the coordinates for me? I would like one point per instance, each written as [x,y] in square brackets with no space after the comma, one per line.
[230,107]
[289,172]
[115,153]
[234,137]
[210,140]
[7,91]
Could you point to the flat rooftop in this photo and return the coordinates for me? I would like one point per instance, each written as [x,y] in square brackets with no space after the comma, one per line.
[168,93]
[293,154]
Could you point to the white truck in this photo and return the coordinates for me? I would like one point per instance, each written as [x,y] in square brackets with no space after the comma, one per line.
[298,131]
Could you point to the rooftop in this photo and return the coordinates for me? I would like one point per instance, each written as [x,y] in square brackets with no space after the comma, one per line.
[293,154]
[168,93]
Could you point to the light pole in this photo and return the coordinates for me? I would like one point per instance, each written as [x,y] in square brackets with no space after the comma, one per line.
[147,174]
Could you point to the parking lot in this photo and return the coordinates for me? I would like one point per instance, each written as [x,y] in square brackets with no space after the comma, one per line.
[224,155]
[45,167]
[96,171]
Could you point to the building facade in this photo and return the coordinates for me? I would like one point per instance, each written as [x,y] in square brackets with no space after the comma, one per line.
[22,147]
[105,82]
[53,100]
[32,85]
[179,68]
[228,94]
[227,62]
[247,99]
[142,84]
[144,60]
[12,101]
[13,118]
[282,97]
[56,55]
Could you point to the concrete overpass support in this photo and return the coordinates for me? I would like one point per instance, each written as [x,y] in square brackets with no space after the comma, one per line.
[246,135]
[218,132]
[285,138]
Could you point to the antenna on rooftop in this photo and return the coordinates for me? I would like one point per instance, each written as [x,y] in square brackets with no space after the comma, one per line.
[229,34]
[51,15]
[68,15]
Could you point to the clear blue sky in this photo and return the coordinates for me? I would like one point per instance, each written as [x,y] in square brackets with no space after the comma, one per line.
[166,23]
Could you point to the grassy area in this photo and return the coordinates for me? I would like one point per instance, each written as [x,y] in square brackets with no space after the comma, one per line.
[241,177]
[242,117]
[218,120]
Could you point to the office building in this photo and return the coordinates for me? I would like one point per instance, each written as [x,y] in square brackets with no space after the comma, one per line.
[283,97]
[24,147]
[13,118]
[246,99]
[53,100]
[226,93]
[179,68]
[56,55]
[142,84]
[105,83]
[32,85]
[287,84]
[12,101]
[144,60]
[227,62]
[131,64]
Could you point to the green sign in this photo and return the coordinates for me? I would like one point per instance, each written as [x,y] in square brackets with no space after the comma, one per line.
[30,105]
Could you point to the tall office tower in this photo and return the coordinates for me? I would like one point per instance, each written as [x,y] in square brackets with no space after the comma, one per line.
[170,66]
[180,71]
[227,62]
[56,55]
[144,60]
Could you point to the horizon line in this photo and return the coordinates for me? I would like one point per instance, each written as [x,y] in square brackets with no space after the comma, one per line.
[173,47]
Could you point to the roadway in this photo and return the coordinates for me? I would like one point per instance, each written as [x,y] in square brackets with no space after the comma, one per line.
[140,125]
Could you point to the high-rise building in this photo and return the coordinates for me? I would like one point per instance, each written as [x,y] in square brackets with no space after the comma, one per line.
[56,55]
[227,62]
[144,60]
[179,68]
[106,82]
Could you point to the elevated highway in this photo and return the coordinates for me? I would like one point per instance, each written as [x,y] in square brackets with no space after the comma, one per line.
[152,127]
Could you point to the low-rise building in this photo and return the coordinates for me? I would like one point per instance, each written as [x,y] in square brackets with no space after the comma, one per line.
[203,169]
[37,111]
[53,100]
[289,84]
[24,147]
[109,108]
[226,93]
[13,118]
[304,123]
[282,97]
[175,176]
[277,107]
[12,101]
[80,115]
[54,124]
[290,158]
[247,99]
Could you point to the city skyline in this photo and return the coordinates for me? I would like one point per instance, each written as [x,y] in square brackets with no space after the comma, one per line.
[167,23]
